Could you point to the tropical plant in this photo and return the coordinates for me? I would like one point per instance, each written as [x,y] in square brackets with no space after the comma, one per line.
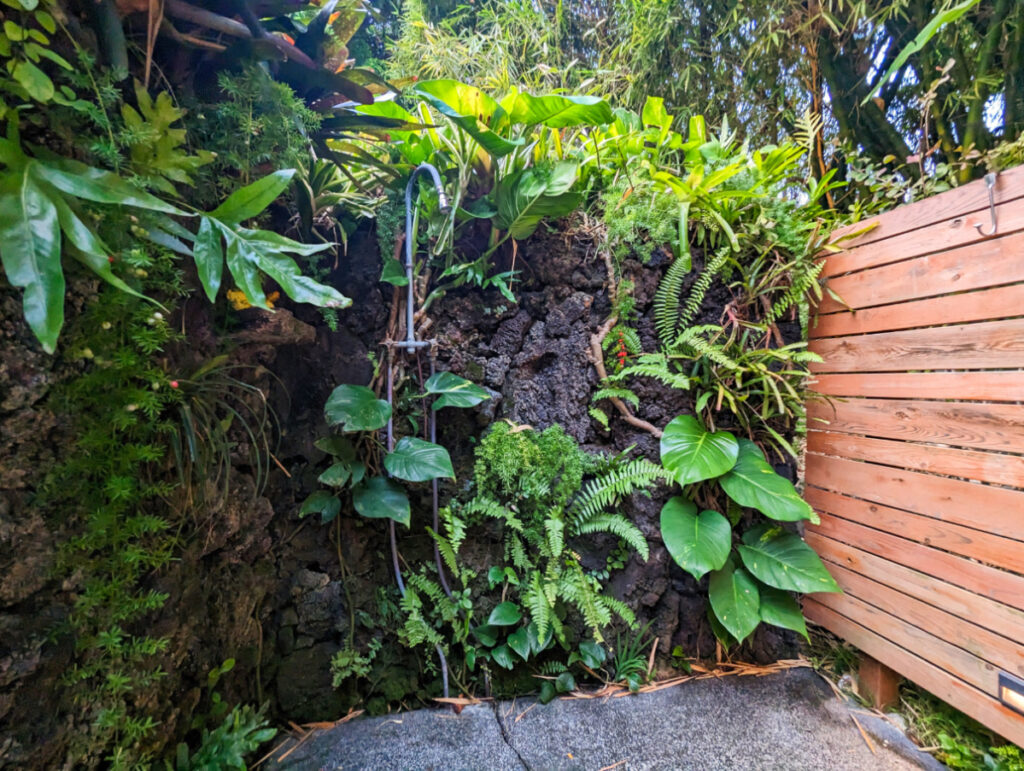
[752,579]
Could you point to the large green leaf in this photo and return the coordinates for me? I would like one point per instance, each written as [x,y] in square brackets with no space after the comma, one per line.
[356,408]
[783,560]
[81,181]
[558,111]
[380,498]
[753,482]
[323,503]
[519,641]
[470,109]
[415,460]
[525,197]
[209,257]
[698,543]
[691,454]
[505,614]
[780,608]
[242,261]
[735,600]
[336,475]
[30,251]
[454,391]
[247,202]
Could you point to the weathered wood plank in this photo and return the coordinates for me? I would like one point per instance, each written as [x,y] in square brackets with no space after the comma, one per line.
[955,203]
[980,507]
[964,386]
[939,534]
[973,608]
[893,626]
[997,585]
[986,345]
[936,237]
[1002,302]
[988,467]
[976,703]
[984,645]
[981,426]
[993,262]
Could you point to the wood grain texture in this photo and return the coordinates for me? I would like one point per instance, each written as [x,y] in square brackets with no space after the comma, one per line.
[981,426]
[972,608]
[989,263]
[988,467]
[999,303]
[985,547]
[987,386]
[987,345]
[987,509]
[914,216]
[993,649]
[979,704]
[997,585]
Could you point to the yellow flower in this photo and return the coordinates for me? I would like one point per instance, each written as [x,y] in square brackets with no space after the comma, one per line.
[240,302]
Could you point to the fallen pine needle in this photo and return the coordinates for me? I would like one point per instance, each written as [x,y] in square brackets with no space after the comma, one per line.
[863,733]
[613,765]
[457,701]
[523,713]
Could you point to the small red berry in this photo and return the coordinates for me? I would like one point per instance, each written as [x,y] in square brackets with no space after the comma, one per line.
[415,78]
[174,384]
[110,258]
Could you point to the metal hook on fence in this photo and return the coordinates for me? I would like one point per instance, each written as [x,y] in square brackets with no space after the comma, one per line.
[990,183]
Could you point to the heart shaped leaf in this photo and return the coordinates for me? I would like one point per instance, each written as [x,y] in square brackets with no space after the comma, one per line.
[754,483]
[692,454]
[735,600]
[780,608]
[505,614]
[698,543]
[323,503]
[356,408]
[784,561]
[380,498]
[415,460]
[455,391]
[519,641]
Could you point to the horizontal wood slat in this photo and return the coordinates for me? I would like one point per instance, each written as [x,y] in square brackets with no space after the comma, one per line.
[1002,302]
[997,585]
[985,264]
[973,608]
[978,704]
[965,386]
[981,507]
[962,200]
[989,467]
[981,426]
[990,344]
[937,237]
[968,542]
[994,649]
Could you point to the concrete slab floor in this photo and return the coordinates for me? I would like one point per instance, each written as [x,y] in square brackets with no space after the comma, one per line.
[790,721]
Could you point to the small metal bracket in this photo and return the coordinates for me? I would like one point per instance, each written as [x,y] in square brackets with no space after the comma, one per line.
[990,183]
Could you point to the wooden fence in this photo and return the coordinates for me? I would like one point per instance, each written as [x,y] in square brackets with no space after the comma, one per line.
[917,465]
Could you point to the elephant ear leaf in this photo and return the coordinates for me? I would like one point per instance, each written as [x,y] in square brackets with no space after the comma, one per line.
[30,251]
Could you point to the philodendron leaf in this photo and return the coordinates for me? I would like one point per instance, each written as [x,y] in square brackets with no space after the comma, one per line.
[780,608]
[754,483]
[505,614]
[486,634]
[454,391]
[380,498]
[249,201]
[323,503]
[503,657]
[356,408]
[783,560]
[699,543]
[519,641]
[338,446]
[415,460]
[692,454]
[337,475]
[735,600]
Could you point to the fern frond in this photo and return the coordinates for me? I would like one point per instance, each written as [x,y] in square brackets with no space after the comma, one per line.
[599,415]
[616,524]
[666,299]
[602,492]
[617,393]
[446,550]
[555,530]
[654,366]
[697,294]
[536,602]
